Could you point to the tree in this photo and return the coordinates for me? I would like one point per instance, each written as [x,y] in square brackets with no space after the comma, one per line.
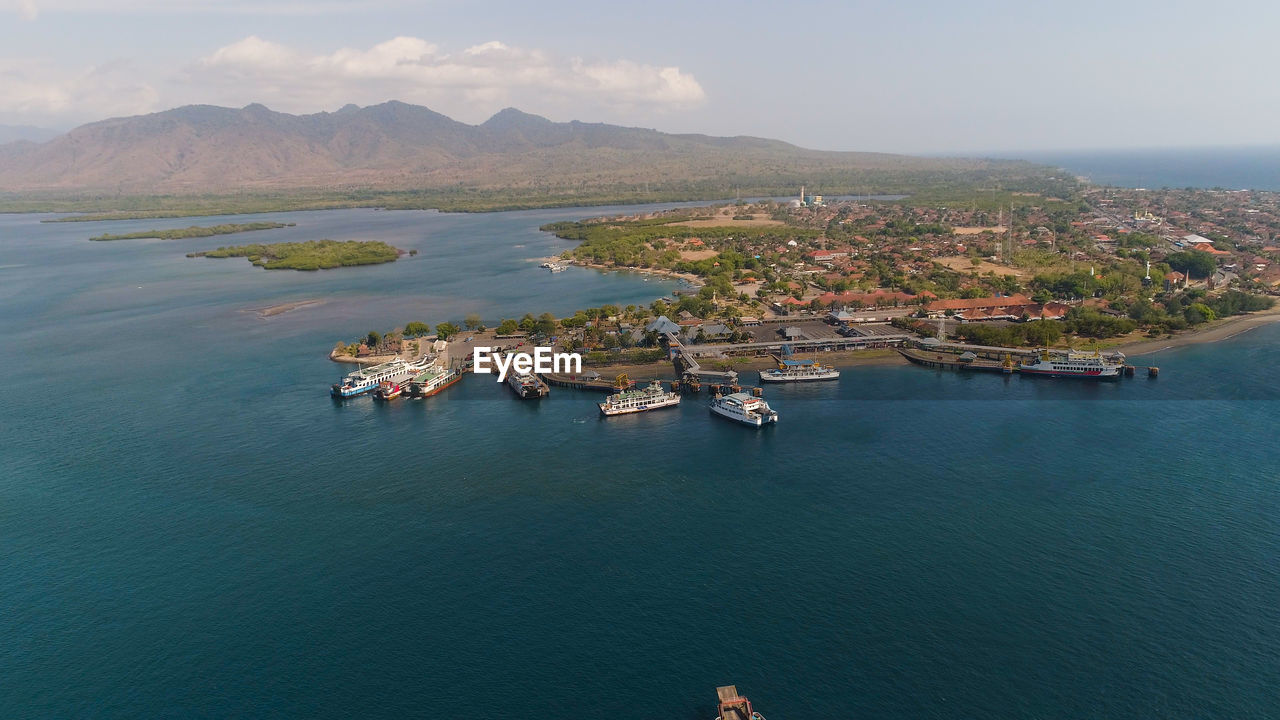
[446,330]
[1192,262]
[545,325]
[508,327]
[417,329]
[373,338]
[1197,313]
[473,322]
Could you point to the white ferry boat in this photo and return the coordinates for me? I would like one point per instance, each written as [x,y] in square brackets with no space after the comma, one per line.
[367,379]
[633,401]
[1071,364]
[743,408]
[526,385]
[432,380]
[799,371]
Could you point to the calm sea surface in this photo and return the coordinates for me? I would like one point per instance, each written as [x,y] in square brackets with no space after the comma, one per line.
[190,527]
[1235,168]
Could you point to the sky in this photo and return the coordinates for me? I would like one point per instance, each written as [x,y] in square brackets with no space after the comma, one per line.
[915,77]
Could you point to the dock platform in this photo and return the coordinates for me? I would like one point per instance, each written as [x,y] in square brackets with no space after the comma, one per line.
[952,361]
[588,381]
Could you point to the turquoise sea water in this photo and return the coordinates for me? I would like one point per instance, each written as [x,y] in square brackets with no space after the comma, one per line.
[190,527]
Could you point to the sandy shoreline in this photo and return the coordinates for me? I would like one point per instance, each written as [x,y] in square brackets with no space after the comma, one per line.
[689,278]
[1214,332]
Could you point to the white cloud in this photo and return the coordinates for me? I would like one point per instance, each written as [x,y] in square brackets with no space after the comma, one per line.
[38,93]
[470,84]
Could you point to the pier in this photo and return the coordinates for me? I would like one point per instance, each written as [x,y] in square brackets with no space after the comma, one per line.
[958,361]
[688,368]
[589,381]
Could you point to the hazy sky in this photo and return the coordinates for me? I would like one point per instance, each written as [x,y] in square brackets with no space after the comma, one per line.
[921,77]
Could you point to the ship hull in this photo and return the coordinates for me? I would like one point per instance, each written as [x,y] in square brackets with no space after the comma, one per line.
[756,421]
[422,393]
[607,411]
[1100,375]
[767,378]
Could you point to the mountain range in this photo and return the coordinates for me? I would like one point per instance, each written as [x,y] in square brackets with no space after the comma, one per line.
[394,145]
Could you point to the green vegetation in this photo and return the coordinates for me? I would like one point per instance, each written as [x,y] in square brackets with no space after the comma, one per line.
[959,185]
[1040,333]
[416,329]
[309,255]
[652,244]
[195,231]
[1193,262]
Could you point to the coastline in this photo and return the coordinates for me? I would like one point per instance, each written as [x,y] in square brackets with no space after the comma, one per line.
[690,278]
[1213,332]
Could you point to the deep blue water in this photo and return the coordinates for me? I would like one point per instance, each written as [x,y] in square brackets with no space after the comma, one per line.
[191,528]
[1233,168]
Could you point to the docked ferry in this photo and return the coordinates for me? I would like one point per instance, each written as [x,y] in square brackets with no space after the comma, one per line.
[743,408]
[1087,365]
[388,391]
[367,379]
[432,380]
[526,385]
[634,401]
[799,371]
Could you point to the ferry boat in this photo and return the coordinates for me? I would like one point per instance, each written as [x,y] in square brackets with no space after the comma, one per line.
[799,371]
[432,380]
[732,706]
[634,401]
[1071,364]
[388,391]
[368,379]
[743,408]
[526,385]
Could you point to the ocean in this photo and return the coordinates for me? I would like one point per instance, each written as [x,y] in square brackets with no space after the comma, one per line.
[191,527]
[1231,168]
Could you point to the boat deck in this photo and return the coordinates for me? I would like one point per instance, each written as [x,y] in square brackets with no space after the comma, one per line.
[731,705]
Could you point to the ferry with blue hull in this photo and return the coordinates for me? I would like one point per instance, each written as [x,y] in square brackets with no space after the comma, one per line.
[368,379]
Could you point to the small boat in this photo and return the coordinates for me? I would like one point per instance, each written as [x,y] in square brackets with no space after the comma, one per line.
[743,408]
